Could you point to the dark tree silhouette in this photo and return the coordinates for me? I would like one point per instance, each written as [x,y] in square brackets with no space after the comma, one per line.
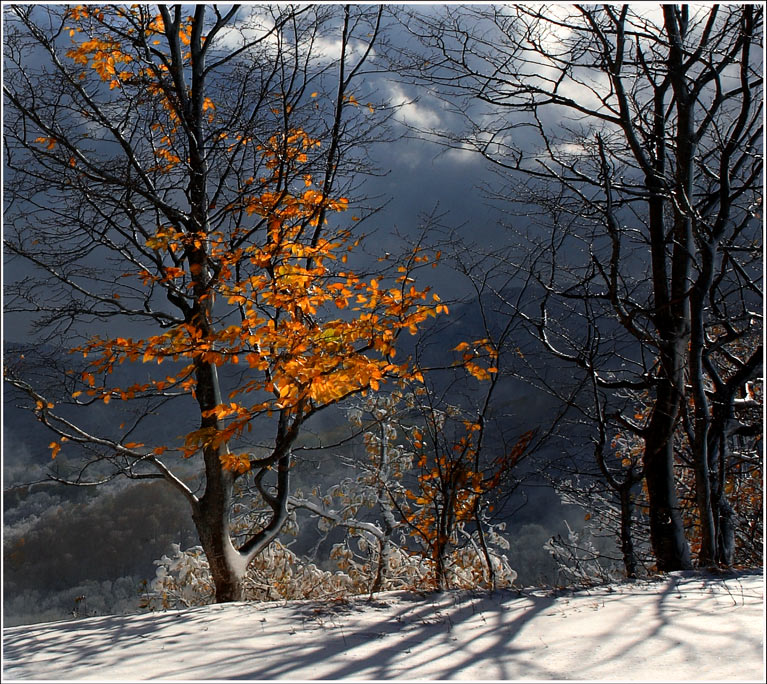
[637,132]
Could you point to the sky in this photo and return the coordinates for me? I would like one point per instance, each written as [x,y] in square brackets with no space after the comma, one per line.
[416,176]
[413,177]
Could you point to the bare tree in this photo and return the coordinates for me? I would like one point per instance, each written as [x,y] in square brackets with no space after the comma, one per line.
[639,132]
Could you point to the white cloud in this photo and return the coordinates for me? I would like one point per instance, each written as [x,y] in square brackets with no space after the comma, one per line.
[250,24]
[409,112]
[462,154]
[328,49]
[257,23]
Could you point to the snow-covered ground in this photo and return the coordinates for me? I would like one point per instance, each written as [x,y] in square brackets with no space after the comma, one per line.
[686,626]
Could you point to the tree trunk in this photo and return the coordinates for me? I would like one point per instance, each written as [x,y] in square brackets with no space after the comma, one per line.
[440,565]
[383,563]
[672,324]
[211,515]
[672,308]
[228,580]
[442,541]
[491,580]
[701,462]
[725,531]
[666,529]
[718,453]
[627,539]
[701,452]
[212,522]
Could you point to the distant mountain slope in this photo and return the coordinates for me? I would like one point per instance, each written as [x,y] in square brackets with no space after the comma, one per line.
[686,626]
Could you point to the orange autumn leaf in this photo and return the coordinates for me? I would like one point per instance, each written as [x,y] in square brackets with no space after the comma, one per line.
[49,143]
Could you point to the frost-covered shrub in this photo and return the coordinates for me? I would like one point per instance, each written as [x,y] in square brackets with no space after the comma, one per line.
[467,567]
[594,552]
[183,579]
[412,569]
[383,509]
[399,569]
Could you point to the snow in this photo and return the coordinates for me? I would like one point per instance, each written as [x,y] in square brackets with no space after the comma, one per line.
[685,626]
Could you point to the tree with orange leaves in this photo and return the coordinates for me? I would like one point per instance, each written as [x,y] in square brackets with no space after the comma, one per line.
[181,214]
[454,482]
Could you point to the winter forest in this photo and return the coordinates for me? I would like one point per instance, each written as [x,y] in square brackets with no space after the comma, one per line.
[323,300]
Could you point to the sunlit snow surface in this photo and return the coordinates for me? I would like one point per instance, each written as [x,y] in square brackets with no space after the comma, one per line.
[686,626]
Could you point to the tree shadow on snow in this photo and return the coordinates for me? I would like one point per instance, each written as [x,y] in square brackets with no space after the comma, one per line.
[504,635]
